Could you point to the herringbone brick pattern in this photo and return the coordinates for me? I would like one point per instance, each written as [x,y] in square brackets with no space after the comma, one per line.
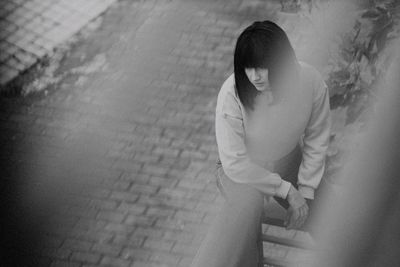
[30,29]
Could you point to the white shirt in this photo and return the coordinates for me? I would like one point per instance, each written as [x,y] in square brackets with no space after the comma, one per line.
[250,142]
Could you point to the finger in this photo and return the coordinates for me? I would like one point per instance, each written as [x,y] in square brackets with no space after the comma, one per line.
[288,216]
[300,219]
[289,223]
[304,216]
[297,221]
[293,219]
[301,212]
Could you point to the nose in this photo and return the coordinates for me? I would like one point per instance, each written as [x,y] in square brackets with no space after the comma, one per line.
[255,74]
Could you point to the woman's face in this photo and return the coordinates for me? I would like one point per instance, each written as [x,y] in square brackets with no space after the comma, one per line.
[259,78]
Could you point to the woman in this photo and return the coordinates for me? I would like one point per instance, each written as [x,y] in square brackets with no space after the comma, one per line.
[272,129]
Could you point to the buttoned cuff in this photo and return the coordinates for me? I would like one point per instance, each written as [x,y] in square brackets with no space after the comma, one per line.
[283,189]
[306,191]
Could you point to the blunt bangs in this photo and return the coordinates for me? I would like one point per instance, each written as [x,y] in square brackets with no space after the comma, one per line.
[254,52]
[263,45]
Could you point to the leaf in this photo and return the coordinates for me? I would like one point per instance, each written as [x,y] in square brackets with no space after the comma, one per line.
[371,13]
[359,103]
[381,8]
[341,75]
[374,49]
[394,33]
[366,75]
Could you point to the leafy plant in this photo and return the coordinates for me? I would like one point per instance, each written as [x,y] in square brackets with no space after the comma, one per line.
[361,61]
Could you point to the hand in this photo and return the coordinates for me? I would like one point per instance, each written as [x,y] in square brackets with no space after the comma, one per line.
[298,210]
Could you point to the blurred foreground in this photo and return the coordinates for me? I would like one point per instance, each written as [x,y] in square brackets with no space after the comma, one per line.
[112,164]
[361,229]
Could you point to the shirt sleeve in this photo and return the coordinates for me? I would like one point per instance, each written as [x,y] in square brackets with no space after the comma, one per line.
[235,161]
[315,141]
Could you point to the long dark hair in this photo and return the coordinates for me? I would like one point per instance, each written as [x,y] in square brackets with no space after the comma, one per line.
[263,45]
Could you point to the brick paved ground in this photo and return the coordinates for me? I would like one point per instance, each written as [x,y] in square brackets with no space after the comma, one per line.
[114,167]
[30,29]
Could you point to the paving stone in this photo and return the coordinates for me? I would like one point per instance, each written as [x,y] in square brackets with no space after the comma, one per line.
[75,244]
[185,261]
[164,259]
[185,249]
[160,212]
[25,58]
[118,228]
[148,232]
[9,48]
[58,253]
[107,249]
[85,257]
[158,244]
[114,262]
[55,25]
[132,208]
[7,73]
[111,216]
[136,254]
[60,263]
